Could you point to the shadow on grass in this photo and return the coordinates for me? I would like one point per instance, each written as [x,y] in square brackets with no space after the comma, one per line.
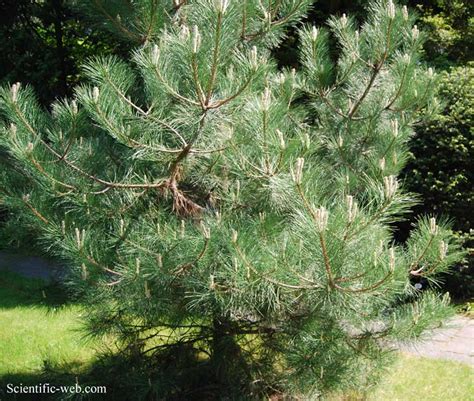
[17,290]
[174,373]
[51,384]
[171,377]
[177,373]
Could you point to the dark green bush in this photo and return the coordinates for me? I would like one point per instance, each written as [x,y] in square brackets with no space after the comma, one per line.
[441,170]
[449,25]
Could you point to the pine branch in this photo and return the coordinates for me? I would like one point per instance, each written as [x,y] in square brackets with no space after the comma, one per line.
[376,69]
[35,211]
[215,58]
[134,37]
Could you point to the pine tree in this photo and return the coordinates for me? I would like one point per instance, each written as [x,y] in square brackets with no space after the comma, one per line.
[229,223]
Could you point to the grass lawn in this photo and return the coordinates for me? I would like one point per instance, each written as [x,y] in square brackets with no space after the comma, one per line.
[34,329]
[423,379]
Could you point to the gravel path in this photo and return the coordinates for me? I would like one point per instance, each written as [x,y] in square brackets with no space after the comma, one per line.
[28,266]
[455,341]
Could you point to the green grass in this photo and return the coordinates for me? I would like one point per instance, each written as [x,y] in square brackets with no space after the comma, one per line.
[423,379]
[34,329]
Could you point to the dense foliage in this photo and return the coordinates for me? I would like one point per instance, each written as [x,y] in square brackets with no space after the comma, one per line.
[449,25]
[44,43]
[443,151]
[444,141]
[440,168]
[229,223]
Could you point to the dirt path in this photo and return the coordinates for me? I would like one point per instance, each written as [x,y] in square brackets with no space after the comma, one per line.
[455,341]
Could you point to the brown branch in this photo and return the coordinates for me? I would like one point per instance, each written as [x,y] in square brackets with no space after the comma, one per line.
[376,70]
[289,15]
[182,205]
[399,91]
[186,266]
[327,264]
[262,32]
[232,97]
[166,125]
[372,287]
[244,19]
[97,264]
[390,145]
[179,5]
[112,283]
[131,142]
[66,150]
[322,242]
[171,90]
[41,169]
[152,20]
[346,279]
[265,144]
[356,106]
[117,24]
[114,184]
[78,169]
[334,108]
[197,84]
[385,205]
[278,283]
[36,212]
[420,273]
[215,59]
[275,11]
[416,263]
[423,97]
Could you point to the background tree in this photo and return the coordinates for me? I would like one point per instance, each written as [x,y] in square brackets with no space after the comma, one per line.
[45,42]
[444,140]
[226,222]
[450,31]
[440,167]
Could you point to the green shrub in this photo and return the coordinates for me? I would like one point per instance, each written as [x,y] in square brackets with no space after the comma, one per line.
[440,169]
[449,25]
